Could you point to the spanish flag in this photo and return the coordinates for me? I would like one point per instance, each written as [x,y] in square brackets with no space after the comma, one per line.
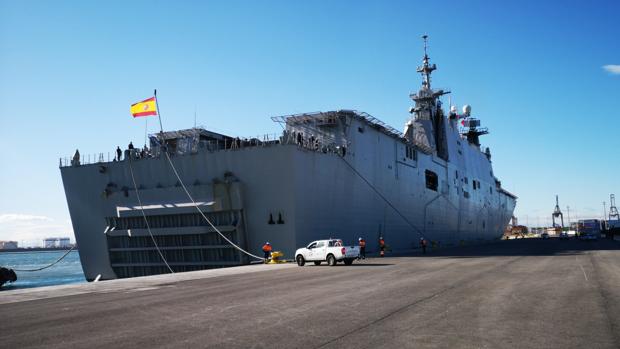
[144,108]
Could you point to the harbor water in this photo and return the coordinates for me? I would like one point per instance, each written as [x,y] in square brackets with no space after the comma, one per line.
[67,271]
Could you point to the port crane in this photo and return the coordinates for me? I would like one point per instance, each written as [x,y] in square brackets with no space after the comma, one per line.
[557,213]
[613,211]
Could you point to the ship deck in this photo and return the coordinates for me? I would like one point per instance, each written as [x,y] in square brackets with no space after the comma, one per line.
[520,293]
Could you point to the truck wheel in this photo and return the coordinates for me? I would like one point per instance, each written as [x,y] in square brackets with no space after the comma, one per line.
[331,260]
[317,262]
[300,260]
[348,261]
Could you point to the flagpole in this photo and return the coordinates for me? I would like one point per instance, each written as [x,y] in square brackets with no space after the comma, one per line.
[146,126]
[158,114]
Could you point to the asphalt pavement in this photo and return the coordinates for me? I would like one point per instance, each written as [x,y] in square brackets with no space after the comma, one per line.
[511,294]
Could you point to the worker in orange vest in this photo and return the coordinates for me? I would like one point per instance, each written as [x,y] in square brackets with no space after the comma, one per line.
[381,247]
[362,244]
[267,251]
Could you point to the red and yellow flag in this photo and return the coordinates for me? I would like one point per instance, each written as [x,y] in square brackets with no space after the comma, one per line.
[144,108]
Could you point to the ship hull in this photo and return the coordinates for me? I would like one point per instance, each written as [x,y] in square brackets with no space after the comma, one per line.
[282,193]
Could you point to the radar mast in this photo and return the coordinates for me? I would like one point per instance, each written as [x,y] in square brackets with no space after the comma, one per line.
[426,98]
[426,69]
[427,110]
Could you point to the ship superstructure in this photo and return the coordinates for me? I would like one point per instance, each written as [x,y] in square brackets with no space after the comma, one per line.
[329,174]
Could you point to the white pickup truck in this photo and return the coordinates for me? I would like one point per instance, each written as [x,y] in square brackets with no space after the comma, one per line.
[332,251]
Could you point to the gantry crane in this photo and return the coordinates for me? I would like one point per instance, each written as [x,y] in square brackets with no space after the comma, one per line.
[613,211]
[557,213]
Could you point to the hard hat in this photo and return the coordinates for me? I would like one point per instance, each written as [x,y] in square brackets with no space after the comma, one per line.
[360,239]
[381,237]
[267,243]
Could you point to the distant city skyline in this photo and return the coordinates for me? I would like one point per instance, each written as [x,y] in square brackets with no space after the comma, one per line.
[544,77]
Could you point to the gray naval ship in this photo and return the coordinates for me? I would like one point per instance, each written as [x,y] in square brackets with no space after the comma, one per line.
[329,174]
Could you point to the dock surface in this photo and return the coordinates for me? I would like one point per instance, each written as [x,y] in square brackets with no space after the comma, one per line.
[528,293]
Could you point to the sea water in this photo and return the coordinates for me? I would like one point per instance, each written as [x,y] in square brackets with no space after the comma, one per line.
[67,271]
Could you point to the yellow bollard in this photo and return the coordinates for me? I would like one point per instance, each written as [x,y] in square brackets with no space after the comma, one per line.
[275,257]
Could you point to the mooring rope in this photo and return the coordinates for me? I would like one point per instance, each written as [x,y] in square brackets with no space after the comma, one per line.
[202,214]
[49,265]
[416,229]
[148,227]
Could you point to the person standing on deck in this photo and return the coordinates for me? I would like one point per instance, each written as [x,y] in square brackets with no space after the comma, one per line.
[423,245]
[76,158]
[119,152]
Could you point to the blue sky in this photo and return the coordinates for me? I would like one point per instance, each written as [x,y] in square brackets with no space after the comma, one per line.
[532,71]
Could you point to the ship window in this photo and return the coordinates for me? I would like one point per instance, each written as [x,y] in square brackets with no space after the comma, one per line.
[410,153]
[466,194]
[360,129]
[491,190]
[432,181]
[456,173]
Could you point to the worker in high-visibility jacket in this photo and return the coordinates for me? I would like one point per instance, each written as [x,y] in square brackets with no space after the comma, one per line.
[362,245]
[267,251]
[381,247]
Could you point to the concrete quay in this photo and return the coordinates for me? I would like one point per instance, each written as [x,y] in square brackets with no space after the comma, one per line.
[528,293]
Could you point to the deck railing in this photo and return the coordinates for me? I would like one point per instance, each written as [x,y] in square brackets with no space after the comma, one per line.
[231,144]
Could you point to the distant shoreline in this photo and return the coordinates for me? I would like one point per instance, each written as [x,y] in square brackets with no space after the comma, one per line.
[37,249]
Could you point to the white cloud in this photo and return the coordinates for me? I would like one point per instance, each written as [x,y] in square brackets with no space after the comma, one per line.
[612,68]
[30,230]
[23,218]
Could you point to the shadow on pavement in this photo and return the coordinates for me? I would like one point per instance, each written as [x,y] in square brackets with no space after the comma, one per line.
[356,264]
[520,247]
[363,264]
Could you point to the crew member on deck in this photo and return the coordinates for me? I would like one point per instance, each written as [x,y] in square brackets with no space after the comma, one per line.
[76,158]
[119,152]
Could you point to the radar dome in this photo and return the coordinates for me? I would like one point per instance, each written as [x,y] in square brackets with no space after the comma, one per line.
[467,109]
